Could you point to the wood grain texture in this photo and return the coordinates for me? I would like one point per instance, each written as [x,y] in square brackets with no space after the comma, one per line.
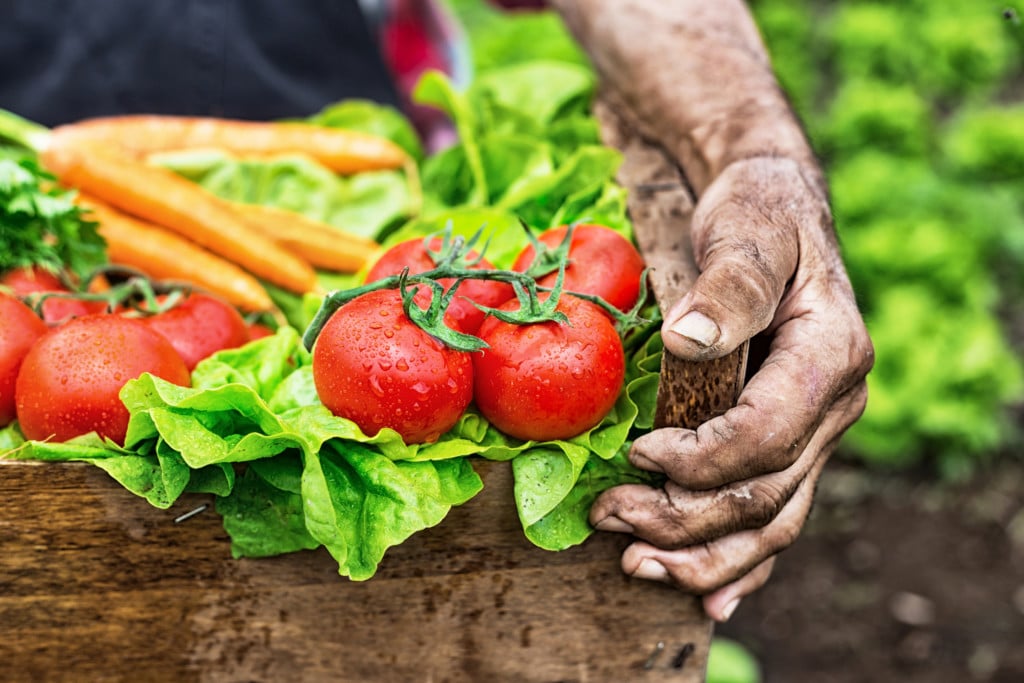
[96,585]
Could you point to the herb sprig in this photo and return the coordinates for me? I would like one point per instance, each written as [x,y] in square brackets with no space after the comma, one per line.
[40,225]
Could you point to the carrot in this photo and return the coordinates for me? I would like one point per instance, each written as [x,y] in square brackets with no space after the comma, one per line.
[164,255]
[321,244]
[170,201]
[343,151]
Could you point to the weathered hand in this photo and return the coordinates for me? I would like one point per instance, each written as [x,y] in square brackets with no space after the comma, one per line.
[740,485]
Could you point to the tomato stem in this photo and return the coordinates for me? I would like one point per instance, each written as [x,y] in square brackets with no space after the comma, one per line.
[451,262]
[135,291]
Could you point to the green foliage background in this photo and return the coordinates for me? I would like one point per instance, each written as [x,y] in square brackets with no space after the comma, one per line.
[915,108]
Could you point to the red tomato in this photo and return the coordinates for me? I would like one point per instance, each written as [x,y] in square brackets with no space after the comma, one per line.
[25,281]
[69,382]
[374,366]
[548,380]
[259,331]
[199,326]
[413,254]
[20,327]
[601,262]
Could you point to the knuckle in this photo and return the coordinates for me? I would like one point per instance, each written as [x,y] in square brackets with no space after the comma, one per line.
[751,278]
[703,575]
[763,504]
[784,450]
[862,352]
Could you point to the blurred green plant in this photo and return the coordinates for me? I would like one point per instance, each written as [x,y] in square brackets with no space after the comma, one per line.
[910,105]
[914,107]
[730,662]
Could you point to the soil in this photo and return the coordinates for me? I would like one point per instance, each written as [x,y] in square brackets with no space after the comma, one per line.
[897,577]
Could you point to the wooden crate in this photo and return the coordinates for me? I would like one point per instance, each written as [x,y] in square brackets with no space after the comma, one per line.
[96,585]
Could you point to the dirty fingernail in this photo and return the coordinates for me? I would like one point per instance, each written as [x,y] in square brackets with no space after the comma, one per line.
[697,327]
[651,569]
[729,608]
[613,523]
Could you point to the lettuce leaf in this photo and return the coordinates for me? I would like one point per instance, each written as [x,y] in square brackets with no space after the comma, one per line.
[373,118]
[358,503]
[557,517]
[527,145]
[264,520]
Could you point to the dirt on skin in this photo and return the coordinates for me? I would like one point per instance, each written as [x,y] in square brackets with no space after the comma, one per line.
[897,577]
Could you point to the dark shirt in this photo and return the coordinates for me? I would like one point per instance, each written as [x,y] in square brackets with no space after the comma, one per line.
[64,60]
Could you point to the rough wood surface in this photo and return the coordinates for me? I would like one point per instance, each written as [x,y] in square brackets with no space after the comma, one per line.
[96,585]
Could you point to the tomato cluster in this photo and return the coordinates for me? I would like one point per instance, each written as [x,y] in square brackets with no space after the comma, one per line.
[538,381]
[61,373]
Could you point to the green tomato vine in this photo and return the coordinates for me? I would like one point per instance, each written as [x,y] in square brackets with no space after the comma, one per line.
[453,261]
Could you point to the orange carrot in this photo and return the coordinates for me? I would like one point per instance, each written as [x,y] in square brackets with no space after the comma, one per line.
[168,200]
[321,244]
[344,151]
[164,255]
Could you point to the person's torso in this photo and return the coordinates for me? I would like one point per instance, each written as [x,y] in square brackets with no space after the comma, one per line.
[64,60]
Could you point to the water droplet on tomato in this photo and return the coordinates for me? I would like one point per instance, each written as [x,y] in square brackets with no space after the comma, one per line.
[376,325]
[401,364]
[421,388]
[376,387]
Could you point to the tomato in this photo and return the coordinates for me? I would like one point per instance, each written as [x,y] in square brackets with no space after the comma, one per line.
[25,281]
[199,326]
[549,380]
[601,262]
[69,381]
[413,254]
[20,327]
[259,331]
[374,366]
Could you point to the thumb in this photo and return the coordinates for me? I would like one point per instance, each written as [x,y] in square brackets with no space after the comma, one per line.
[746,240]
